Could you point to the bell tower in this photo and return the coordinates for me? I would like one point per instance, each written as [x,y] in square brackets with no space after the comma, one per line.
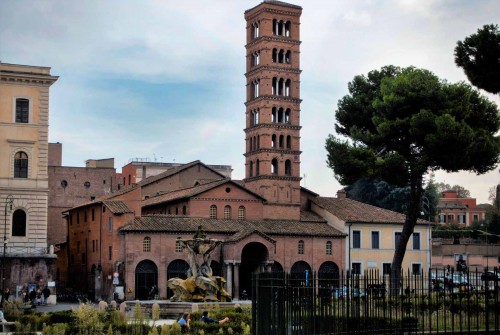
[272,132]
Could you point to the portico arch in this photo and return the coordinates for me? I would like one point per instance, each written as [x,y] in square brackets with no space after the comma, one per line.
[176,269]
[146,275]
[254,257]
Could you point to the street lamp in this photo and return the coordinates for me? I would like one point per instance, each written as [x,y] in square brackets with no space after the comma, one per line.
[9,200]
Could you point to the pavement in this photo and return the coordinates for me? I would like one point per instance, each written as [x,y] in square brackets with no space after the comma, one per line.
[62,306]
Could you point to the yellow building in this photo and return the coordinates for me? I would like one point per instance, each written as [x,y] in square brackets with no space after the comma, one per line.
[372,235]
[24,123]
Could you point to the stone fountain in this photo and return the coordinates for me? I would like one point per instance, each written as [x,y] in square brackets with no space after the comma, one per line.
[200,285]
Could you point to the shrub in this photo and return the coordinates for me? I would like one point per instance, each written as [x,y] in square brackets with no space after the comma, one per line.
[55,329]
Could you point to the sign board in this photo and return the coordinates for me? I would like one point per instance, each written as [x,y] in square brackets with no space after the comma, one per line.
[116,274]
[115,281]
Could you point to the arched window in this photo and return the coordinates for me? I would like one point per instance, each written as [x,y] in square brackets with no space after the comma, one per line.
[274,115]
[22,110]
[255,30]
[256,58]
[273,141]
[287,116]
[251,143]
[241,213]
[289,142]
[288,85]
[146,244]
[19,223]
[328,248]
[213,212]
[254,143]
[282,140]
[251,169]
[288,167]
[274,166]
[275,55]
[255,88]
[257,167]
[21,165]
[300,247]
[280,115]
[227,212]
[288,57]
[258,141]
[178,246]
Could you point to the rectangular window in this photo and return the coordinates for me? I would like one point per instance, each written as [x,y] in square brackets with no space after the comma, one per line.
[475,217]
[93,245]
[442,218]
[77,218]
[416,241]
[85,216]
[110,224]
[416,269]
[356,268]
[84,258]
[375,240]
[78,247]
[110,253]
[397,236]
[356,239]
[451,217]
[461,218]
[93,214]
[386,268]
[22,110]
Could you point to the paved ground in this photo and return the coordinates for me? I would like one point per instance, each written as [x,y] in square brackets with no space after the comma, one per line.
[62,306]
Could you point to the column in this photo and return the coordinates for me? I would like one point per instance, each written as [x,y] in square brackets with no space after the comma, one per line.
[236,294]
[229,278]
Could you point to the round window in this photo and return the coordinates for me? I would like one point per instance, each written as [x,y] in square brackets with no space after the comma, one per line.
[228,189]
[86,184]
[64,183]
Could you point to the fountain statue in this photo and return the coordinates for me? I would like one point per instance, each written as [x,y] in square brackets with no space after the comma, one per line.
[200,285]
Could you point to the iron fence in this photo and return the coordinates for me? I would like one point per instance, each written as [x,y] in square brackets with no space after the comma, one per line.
[439,301]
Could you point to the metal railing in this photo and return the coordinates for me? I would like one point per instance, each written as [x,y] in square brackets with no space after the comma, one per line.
[326,303]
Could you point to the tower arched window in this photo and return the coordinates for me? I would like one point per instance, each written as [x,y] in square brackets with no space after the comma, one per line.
[288,57]
[254,143]
[241,213]
[254,117]
[251,169]
[227,212]
[289,142]
[256,58]
[275,55]
[282,141]
[288,167]
[328,248]
[273,141]
[257,167]
[258,141]
[19,223]
[255,88]
[146,244]
[281,56]
[251,143]
[255,30]
[281,28]
[287,115]
[300,247]
[274,115]
[274,166]
[21,165]
[288,84]
[213,212]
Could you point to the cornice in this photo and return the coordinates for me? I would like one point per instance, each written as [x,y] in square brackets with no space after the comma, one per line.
[272,125]
[273,97]
[273,38]
[25,78]
[273,151]
[260,68]
[271,177]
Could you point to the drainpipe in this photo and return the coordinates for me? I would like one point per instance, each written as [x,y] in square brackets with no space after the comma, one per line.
[349,249]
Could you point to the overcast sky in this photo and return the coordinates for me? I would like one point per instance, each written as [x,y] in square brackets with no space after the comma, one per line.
[164,80]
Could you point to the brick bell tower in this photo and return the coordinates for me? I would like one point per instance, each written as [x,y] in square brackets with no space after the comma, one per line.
[272,133]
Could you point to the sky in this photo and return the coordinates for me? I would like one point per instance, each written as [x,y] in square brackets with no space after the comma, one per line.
[164,79]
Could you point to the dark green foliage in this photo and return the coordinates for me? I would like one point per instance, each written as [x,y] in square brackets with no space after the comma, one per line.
[405,122]
[479,56]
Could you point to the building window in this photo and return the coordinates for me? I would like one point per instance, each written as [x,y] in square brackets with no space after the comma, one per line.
[461,218]
[288,167]
[356,268]
[19,223]
[451,217]
[475,217]
[184,210]
[255,30]
[110,253]
[93,245]
[397,236]
[146,244]
[300,247]
[416,269]
[274,166]
[375,240]
[227,212]
[178,246]
[93,214]
[84,258]
[85,218]
[328,248]
[241,213]
[213,212]
[86,184]
[21,165]
[386,268]
[356,239]
[416,241]
[442,218]
[281,28]
[78,247]
[22,110]
[110,224]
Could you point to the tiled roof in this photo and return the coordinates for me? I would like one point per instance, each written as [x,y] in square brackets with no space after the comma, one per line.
[455,204]
[117,206]
[352,211]
[189,192]
[173,171]
[184,224]
[310,217]
[101,199]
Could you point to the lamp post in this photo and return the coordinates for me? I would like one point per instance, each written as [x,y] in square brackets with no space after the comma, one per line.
[9,200]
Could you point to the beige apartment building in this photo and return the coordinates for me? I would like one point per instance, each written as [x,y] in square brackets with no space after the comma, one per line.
[24,123]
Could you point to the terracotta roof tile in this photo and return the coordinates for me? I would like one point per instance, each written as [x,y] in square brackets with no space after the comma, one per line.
[184,224]
[350,210]
[174,170]
[117,206]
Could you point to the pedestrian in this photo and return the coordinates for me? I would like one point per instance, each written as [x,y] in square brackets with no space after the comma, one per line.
[5,296]
[45,294]
[184,322]
[32,297]
[205,318]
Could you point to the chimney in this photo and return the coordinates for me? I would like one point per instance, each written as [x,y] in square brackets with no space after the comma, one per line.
[341,194]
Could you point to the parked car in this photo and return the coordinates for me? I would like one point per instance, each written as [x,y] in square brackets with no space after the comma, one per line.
[350,292]
[490,276]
